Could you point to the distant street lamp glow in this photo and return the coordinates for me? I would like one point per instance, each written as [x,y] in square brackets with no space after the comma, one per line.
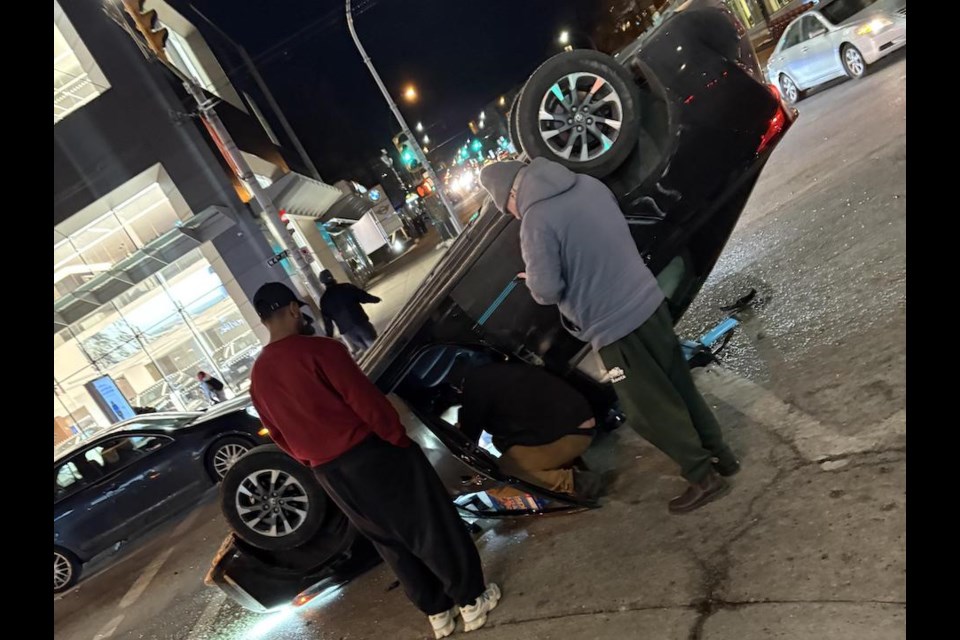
[426,139]
[564,37]
[503,101]
[420,127]
[410,93]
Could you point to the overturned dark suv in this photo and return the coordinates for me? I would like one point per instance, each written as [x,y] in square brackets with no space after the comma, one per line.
[679,125]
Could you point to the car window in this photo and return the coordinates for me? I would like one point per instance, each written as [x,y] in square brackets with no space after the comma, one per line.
[74,475]
[812,27]
[119,452]
[792,37]
[840,10]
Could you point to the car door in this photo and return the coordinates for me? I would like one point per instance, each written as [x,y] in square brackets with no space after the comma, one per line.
[81,522]
[790,58]
[138,483]
[818,50]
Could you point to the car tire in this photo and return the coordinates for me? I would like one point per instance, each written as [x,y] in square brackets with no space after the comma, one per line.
[789,90]
[223,454]
[853,61]
[582,142]
[512,123]
[66,569]
[271,501]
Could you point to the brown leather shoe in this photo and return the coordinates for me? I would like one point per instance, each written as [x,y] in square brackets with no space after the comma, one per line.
[699,494]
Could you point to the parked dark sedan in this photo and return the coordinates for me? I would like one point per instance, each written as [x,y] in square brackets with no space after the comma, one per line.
[679,126]
[132,476]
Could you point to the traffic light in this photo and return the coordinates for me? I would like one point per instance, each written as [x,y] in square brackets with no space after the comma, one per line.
[146,23]
[405,149]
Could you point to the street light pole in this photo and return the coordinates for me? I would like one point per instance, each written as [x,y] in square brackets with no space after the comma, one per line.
[415,145]
[269,214]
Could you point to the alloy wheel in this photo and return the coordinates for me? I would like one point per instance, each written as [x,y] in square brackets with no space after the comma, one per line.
[272,503]
[854,60]
[62,571]
[580,117]
[226,456]
[789,89]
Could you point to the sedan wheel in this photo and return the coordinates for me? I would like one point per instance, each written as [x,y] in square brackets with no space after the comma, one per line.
[271,501]
[789,88]
[227,456]
[580,109]
[853,62]
[65,570]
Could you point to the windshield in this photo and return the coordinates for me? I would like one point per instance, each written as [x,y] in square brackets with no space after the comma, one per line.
[841,10]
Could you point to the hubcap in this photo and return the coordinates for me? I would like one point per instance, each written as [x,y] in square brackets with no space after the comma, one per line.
[789,89]
[272,503]
[226,456]
[580,117]
[62,571]
[854,61]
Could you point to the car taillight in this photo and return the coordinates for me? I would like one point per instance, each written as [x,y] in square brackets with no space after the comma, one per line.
[777,123]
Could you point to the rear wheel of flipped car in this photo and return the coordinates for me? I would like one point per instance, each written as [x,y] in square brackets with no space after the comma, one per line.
[853,61]
[271,501]
[66,569]
[581,109]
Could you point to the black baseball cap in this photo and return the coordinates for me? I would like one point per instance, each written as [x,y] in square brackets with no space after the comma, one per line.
[273,296]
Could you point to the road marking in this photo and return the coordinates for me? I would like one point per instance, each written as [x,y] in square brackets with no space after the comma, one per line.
[144,580]
[186,524]
[205,621]
[109,628]
[814,440]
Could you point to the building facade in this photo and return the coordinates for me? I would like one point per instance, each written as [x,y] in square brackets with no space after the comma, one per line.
[156,254]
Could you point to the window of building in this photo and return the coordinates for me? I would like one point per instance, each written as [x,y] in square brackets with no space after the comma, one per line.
[76,77]
[101,243]
[152,340]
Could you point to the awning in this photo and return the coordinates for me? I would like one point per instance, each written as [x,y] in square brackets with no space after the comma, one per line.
[303,197]
[153,257]
[348,209]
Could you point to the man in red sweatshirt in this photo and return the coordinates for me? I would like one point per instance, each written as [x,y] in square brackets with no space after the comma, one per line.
[323,411]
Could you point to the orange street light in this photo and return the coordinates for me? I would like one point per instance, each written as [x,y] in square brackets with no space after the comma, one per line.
[410,93]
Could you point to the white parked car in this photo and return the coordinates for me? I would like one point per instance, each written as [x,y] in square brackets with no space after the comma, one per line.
[839,37]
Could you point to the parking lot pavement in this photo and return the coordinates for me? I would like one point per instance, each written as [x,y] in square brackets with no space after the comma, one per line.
[811,541]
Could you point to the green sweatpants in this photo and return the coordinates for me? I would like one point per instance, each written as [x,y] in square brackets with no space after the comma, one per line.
[660,400]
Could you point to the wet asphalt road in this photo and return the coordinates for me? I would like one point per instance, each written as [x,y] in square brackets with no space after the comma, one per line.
[823,242]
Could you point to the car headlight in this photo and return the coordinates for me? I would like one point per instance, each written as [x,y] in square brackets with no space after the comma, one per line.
[874,26]
[252,411]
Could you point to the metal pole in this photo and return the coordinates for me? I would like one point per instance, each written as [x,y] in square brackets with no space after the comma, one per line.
[248,61]
[153,41]
[268,211]
[421,157]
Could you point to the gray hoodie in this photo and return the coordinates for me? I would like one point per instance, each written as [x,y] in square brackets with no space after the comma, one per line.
[580,256]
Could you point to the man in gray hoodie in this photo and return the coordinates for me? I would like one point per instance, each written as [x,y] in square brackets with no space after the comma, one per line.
[579,255]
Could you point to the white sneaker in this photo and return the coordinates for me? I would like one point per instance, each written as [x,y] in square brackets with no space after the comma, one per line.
[444,624]
[475,615]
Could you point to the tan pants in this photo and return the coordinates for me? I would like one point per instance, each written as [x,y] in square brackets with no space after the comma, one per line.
[545,465]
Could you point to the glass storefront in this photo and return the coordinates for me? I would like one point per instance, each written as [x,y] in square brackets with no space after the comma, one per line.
[152,340]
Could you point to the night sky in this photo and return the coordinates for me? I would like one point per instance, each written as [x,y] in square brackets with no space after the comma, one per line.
[461,55]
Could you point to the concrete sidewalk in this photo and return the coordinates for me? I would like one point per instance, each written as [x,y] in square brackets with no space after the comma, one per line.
[809,544]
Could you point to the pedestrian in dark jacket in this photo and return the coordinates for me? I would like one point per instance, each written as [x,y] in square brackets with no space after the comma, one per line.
[323,411]
[340,305]
[579,255]
[211,387]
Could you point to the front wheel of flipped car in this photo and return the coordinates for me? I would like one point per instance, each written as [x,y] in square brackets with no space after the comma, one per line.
[271,501]
[581,109]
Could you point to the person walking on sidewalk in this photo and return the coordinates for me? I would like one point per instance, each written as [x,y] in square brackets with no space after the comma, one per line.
[341,305]
[579,255]
[323,411]
[539,423]
[211,387]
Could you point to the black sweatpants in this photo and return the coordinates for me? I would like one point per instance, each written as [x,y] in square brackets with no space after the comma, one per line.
[393,496]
